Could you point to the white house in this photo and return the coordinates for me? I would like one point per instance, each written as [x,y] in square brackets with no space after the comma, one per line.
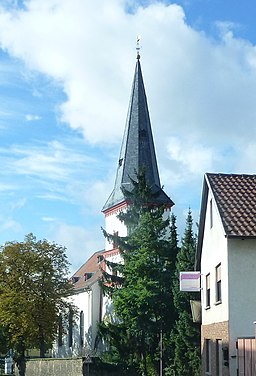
[137,152]
[226,257]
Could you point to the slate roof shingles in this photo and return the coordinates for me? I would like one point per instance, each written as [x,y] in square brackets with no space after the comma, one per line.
[138,150]
[235,196]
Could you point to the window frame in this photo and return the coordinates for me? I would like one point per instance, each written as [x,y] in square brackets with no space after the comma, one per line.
[218,284]
[208,291]
[211,213]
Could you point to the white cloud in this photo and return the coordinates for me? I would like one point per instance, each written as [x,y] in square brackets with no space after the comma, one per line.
[201,93]
[10,224]
[50,161]
[55,171]
[193,157]
[195,85]
[18,204]
[48,219]
[31,117]
[80,243]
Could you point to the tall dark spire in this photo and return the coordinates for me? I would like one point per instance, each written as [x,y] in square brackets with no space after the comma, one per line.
[137,150]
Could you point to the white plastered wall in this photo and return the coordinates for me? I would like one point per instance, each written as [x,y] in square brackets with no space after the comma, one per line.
[113,224]
[89,302]
[242,285]
[214,252]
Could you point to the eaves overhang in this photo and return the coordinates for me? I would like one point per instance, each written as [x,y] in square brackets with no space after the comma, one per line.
[205,192]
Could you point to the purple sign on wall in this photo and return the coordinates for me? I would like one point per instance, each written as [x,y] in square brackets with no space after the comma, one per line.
[190,281]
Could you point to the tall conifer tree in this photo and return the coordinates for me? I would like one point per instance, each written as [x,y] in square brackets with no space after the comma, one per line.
[187,333]
[141,291]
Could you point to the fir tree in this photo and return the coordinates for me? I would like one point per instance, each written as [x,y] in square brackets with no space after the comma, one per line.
[142,294]
[187,333]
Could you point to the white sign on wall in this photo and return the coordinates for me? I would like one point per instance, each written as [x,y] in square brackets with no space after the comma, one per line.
[190,281]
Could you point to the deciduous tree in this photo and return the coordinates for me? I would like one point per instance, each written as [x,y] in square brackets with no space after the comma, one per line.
[34,286]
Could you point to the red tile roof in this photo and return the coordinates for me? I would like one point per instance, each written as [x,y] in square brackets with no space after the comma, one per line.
[89,273]
[235,196]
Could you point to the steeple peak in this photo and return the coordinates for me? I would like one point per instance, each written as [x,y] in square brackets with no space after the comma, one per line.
[137,150]
[138,47]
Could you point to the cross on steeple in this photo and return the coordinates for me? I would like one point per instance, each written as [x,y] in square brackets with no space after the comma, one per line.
[138,46]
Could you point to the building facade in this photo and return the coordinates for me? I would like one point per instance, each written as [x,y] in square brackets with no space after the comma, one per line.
[226,257]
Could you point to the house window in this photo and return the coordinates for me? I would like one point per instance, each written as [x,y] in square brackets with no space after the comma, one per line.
[218,283]
[81,328]
[208,356]
[70,329]
[211,214]
[208,291]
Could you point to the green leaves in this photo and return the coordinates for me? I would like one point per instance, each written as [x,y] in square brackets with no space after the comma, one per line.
[143,300]
[33,289]
[186,334]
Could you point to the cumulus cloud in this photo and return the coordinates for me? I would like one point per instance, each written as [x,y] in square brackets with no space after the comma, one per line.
[201,91]
[196,85]
[194,158]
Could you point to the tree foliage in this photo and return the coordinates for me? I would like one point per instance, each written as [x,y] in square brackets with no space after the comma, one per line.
[141,291]
[186,336]
[33,288]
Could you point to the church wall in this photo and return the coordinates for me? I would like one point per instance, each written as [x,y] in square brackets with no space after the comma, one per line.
[114,225]
[88,303]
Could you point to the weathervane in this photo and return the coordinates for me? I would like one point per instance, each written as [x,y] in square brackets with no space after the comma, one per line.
[138,46]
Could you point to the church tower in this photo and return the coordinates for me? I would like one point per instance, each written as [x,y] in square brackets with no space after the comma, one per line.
[137,152]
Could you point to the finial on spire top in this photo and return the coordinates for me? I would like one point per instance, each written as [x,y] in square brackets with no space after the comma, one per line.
[138,46]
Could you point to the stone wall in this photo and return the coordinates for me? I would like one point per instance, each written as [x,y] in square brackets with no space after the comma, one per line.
[54,367]
[69,367]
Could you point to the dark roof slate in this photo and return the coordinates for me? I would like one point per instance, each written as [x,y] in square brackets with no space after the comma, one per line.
[137,150]
[235,196]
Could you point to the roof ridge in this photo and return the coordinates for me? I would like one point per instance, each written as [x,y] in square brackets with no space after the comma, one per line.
[228,174]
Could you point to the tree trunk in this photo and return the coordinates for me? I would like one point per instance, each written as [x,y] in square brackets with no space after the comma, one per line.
[42,349]
[144,362]
[21,363]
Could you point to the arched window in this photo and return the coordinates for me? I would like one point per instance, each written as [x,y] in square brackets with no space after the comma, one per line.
[81,328]
[60,331]
[70,329]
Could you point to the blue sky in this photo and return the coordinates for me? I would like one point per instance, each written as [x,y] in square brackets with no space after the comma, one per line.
[66,70]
